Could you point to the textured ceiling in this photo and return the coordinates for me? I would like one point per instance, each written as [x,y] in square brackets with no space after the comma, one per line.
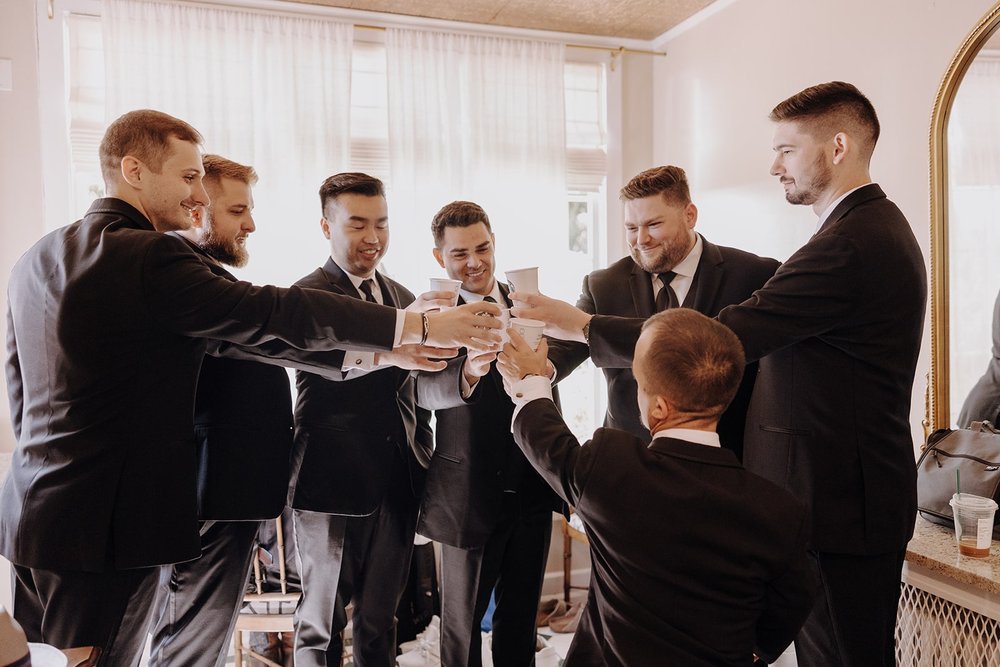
[635,19]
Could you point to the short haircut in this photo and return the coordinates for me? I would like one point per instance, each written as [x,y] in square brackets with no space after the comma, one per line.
[668,181]
[457,214]
[218,167]
[145,135]
[829,108]
[695,361]
[350,182]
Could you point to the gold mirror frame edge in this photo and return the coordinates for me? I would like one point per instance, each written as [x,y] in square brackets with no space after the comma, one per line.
[938,389]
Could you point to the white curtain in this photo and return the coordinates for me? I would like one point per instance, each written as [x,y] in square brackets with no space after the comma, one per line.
[483,119]
[267,90]
[973,222]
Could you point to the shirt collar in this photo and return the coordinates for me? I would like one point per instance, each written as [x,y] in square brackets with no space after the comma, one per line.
[829,209]
[471,297]
[689,265]
[709,438]
[356,280]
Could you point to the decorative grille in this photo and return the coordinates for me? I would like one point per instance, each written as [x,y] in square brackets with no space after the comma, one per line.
[933,632]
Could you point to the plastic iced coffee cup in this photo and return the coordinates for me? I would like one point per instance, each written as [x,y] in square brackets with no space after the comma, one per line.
[447,285]
[973,523]
[530,330]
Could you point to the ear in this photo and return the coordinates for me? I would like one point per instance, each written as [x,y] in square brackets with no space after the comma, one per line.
[841,144]
[132,169]
[438,256]
[660,410]
[691,215]
[324,224]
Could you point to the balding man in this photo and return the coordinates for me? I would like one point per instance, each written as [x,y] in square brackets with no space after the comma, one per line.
[713,568]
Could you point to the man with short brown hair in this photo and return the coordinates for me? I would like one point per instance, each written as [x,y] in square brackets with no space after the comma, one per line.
[695,561]
[669,265]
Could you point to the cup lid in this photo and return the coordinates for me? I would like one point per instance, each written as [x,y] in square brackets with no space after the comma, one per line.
[973,502]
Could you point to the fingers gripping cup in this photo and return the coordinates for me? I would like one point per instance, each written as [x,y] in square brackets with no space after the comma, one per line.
[973,523]
[524,281]
[530,330]
[447,285]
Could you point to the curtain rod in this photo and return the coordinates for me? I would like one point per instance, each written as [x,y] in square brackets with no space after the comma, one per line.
[619,50]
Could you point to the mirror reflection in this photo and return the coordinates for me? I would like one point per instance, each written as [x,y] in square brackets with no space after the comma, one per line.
[973,230]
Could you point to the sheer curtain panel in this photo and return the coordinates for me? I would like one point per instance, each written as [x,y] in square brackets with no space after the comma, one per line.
[480,118]
[264,89]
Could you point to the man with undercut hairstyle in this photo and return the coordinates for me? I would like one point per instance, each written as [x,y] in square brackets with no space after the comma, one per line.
[695,561]
[106,326]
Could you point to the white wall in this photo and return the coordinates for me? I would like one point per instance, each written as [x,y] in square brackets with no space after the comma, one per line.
[722,76]
[21,191]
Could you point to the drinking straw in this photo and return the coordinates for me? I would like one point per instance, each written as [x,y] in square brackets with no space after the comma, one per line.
[958,480]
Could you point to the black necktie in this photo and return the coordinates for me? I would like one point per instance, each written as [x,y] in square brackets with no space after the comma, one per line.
[366,289]
[489,299]
[666,297]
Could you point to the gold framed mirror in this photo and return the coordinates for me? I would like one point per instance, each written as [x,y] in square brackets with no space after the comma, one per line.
[942,391]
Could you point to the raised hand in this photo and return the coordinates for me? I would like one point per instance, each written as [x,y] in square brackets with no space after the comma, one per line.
[517,359]
[562,320]
[429,301]
[471,324]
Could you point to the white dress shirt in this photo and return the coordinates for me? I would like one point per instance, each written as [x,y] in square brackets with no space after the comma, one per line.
[684,271]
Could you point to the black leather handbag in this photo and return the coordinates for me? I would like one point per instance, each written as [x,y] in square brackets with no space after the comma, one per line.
[975,453]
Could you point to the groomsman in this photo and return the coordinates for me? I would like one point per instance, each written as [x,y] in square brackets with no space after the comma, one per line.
[483,501]
[360,451]
[669,265]
[243,429]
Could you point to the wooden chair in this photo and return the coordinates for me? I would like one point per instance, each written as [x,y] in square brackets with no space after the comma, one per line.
[278,606]
[569,534]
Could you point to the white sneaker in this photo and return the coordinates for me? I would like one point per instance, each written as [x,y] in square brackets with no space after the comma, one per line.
[425,656]
[433,628]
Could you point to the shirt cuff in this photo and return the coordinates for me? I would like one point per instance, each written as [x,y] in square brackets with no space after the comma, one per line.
[464,385]
[397,337]
[364,361]
[529,389]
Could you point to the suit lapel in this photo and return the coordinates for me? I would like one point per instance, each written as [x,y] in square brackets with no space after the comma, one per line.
[339,278]
[859,196]
[707,279]
[641,285]
[390,296]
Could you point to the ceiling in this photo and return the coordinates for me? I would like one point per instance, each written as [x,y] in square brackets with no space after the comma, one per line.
[632,19]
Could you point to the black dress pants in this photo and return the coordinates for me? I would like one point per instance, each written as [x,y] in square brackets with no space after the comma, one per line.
[69,609]
[198,601]
[513,562]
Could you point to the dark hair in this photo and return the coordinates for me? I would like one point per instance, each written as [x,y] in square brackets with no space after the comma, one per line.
[693,360]
[349,182]
[668,180]
[145,135]
[457,214]
[218,167]
[832,107]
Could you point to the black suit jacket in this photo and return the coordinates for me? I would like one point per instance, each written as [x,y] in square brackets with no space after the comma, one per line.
[243,434]
[695,561]
[475,458]
[724,276]
[348,431]
[837,331]
[103,353]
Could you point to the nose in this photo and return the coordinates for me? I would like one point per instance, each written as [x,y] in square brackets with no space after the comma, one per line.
[642,235]
[199,194]
[776,168]
[250,226]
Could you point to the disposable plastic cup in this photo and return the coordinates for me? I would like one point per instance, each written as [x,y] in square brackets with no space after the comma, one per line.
[447,285]
[530,330]
[973,523]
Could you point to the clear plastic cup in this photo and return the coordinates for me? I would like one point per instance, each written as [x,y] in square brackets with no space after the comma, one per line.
[973,523]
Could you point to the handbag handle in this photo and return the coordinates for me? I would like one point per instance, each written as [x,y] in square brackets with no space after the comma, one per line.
[983,427]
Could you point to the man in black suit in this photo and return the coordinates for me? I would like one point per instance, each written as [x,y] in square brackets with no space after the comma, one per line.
[243,428]
[104,330]
[483,502]
[837,331]
[695,561]
[659,228]
[361,448]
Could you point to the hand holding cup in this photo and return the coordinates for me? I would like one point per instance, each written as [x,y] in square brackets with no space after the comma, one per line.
[562,320]
[519,359]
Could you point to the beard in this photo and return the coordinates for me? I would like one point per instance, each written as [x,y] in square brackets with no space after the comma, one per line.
[668,254]
[224,251]
[819,181]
